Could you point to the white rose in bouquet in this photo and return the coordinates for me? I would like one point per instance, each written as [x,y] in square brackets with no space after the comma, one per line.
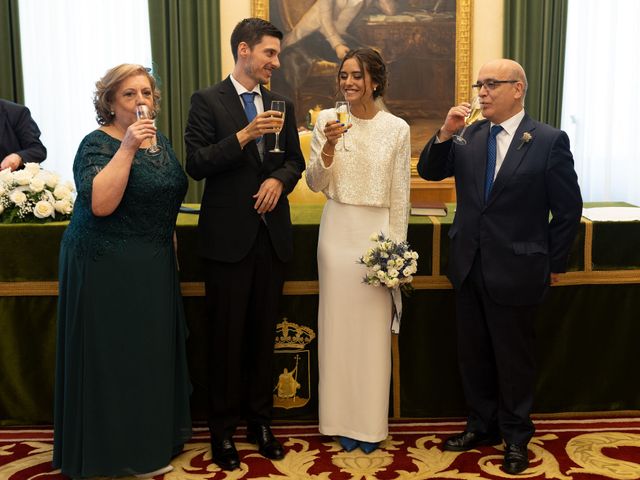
[63,206]
[6,176]
[62,192]
[51,179]
[43,209]
[22,177]
[18,197]
[36,185]
[33,168]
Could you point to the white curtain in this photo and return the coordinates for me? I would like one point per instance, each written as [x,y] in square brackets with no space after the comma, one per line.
[602,98]
[67,45]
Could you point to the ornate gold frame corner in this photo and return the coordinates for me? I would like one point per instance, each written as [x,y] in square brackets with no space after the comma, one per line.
[260,9]
[464,49]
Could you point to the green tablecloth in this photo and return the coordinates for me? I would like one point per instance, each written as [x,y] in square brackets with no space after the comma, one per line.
[585,329]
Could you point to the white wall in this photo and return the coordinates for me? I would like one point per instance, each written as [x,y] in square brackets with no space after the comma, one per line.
[231,12]
[488,17]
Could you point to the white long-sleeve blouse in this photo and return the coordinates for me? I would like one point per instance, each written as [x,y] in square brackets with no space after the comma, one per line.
[376,172]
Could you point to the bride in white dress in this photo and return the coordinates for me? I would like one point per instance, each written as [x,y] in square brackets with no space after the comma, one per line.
[367,190]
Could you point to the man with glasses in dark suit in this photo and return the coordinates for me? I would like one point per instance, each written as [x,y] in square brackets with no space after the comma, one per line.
[512,173]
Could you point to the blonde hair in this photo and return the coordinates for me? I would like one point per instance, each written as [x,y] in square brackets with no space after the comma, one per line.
[109,83]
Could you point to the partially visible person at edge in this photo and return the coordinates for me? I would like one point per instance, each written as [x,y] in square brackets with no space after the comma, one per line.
[367,190]
[245,233]
[122,385]
[505,252]
[19,137]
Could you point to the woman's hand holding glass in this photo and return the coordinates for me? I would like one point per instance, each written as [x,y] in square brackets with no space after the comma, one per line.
[137,133]
[343,113]
[143,112]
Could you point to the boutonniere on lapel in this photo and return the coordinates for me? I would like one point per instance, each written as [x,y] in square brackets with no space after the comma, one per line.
[526,138]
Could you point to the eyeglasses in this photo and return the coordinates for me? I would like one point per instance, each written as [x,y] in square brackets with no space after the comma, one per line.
[491,84]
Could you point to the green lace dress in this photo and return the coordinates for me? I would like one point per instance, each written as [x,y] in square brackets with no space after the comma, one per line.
[122,385]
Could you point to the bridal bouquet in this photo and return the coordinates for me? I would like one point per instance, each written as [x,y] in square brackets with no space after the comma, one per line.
[389,263]
[392,265]
[34,195]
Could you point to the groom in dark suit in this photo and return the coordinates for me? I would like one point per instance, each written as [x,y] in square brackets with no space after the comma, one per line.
[505,250]
[245,233]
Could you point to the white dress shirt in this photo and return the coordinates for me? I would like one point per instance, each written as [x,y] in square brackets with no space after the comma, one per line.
[505,137]
[257,100]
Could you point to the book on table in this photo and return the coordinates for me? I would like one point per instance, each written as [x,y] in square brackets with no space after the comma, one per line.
[436,209]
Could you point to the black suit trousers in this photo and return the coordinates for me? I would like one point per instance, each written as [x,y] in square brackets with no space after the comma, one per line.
[242,305]
[496,359]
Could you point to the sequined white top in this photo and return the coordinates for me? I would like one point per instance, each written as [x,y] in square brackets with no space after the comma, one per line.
[376,172]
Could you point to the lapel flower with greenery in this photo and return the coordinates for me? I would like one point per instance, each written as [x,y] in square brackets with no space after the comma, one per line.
[526,138]
[34,195]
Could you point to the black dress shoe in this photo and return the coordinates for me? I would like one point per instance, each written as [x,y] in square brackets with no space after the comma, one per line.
[224,454]
[516,458]
[464,441]
[268,445]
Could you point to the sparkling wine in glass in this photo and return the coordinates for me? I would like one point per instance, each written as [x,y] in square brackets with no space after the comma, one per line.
[278,106]
[144,112]
[343,112]
[474,115]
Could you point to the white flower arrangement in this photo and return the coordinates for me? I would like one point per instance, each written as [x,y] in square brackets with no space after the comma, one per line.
[34,195]
[389,264]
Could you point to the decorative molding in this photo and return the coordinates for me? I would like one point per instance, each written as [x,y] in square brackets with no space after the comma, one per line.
[260,9]
[420,282]
[464,49]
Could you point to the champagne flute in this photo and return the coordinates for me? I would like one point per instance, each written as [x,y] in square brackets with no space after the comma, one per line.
[278,106]
[474,115]
[144,112]
[343,112]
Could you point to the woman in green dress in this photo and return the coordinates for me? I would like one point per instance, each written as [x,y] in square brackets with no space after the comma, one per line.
[122,385]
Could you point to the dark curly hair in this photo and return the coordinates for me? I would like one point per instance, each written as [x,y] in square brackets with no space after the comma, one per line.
[106,88]
[370,60]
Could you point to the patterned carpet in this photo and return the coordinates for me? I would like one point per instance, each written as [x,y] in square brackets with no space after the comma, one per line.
[563,449]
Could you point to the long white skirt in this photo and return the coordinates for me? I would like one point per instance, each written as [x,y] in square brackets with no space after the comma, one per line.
[354,326]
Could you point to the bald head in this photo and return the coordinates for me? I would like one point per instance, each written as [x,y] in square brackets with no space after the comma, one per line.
[511,68]
[506,97]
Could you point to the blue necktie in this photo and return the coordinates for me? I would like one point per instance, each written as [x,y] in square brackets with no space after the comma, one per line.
[491,160]
[250,107]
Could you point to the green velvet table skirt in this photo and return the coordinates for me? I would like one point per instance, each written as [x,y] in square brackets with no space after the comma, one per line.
[586,329]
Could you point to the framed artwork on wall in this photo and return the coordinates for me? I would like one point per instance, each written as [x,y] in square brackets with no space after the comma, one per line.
[425,43]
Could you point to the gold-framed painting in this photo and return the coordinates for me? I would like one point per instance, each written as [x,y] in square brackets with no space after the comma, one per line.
[425,43]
